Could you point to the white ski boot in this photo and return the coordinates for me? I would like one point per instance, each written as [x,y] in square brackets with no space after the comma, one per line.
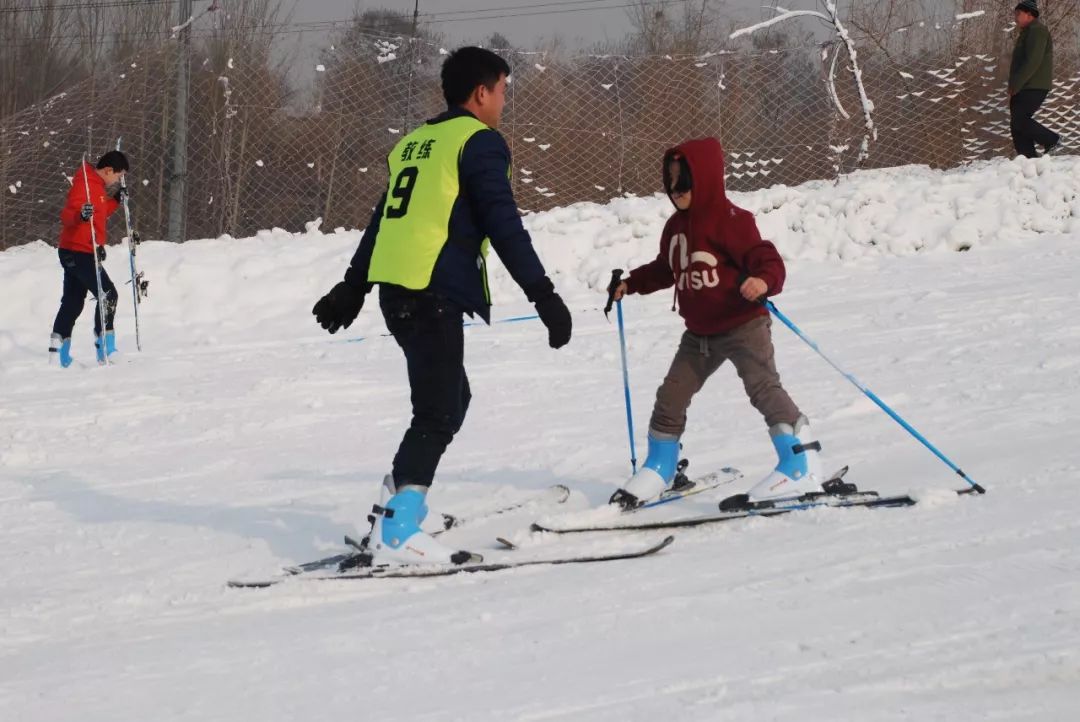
[799,469]
[655,476]
[396,536]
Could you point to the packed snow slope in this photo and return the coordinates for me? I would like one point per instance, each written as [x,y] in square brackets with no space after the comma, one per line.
[243,438]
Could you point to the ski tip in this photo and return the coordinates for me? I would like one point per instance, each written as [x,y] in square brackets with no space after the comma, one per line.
[506,543]
[667,541]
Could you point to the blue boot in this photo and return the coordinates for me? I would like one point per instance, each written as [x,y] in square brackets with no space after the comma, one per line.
[60,350]
[655,475]
[798,468]
[396,537]
[110,346]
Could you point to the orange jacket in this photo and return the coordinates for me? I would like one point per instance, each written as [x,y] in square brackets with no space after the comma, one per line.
[74,231]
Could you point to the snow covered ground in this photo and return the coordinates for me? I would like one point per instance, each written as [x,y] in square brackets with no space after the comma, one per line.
[244,438]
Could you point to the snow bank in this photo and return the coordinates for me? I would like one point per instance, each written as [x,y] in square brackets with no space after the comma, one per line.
[895,211]
[228,288]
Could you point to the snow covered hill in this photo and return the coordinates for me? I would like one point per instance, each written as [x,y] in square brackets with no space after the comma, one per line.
[244,438]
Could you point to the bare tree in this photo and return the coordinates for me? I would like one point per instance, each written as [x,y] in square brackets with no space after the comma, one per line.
[659,29]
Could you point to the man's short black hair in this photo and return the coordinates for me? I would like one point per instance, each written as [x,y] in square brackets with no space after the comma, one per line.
[468,68]
[113,159]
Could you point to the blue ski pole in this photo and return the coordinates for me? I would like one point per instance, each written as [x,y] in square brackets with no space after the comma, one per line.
[616,279]
[873,397]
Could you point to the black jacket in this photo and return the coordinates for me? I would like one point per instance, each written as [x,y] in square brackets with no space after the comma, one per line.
[485,208]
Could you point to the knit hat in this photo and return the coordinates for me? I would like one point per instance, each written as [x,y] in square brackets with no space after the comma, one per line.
[1031,6]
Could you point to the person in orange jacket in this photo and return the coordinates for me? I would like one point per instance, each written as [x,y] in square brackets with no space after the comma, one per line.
[81,213]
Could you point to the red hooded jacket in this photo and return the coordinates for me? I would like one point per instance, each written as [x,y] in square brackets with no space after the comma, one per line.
[707,251]
[74,231]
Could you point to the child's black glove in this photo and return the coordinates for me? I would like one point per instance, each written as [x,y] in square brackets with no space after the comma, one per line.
[101,254]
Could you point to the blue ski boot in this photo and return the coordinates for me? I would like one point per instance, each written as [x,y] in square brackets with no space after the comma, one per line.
[110,346]
[654,477]
[60,350]
[798,471]
[396,536]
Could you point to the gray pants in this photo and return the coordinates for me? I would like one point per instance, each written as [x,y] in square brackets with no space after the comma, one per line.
[749,348]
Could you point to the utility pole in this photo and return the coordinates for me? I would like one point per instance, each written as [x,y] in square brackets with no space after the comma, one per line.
[178,179]
[414,54]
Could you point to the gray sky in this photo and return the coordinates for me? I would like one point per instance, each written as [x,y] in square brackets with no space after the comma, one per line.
[524,25]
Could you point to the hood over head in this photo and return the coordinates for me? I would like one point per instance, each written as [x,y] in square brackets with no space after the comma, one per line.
[705,158]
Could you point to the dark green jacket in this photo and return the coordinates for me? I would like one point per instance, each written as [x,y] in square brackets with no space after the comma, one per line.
[1032,60]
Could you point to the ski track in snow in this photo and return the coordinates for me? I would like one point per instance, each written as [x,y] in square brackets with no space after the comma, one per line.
[243,439]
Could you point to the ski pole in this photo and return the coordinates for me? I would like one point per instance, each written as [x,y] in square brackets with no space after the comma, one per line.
[136,280]
[616,279]
[873,397]
[97,267]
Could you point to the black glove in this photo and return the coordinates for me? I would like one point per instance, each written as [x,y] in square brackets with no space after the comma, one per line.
[338,309]
[119,193]
[553,312]
[87,211]
[101,254]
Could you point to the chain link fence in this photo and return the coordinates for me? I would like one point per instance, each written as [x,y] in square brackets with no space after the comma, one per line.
[587,128]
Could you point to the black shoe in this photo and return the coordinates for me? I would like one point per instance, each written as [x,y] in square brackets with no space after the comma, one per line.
[1053,148]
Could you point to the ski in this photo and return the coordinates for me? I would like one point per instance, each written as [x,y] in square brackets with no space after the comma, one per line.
[414,572]
[139,285]
[557,494]
[700,485]
[861,499]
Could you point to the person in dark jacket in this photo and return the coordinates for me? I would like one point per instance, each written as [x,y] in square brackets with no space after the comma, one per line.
[1030,79]
[448,200]
[82,219]
[721,268]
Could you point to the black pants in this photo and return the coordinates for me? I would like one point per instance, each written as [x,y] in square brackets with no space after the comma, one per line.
[1026,131]
[79,277]
[429,331]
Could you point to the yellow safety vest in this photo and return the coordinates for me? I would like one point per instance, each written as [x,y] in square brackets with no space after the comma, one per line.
[424,185]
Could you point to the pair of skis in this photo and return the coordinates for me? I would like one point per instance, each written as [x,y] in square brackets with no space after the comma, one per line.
[139,285]
[343,566]
[351,564]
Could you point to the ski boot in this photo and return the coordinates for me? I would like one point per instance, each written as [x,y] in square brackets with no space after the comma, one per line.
[430,523]
[797,473]
[110,346]
[60,351]
[655,476]
[396,536]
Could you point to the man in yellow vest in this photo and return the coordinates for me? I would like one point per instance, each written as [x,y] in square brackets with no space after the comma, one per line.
[448,200]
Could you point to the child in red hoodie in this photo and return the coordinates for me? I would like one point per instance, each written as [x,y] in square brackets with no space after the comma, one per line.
[713,254]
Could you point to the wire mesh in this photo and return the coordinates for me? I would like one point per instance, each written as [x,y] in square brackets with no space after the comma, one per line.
[586,128]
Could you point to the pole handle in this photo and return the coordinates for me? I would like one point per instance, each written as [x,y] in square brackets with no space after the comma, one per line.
[613,286]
